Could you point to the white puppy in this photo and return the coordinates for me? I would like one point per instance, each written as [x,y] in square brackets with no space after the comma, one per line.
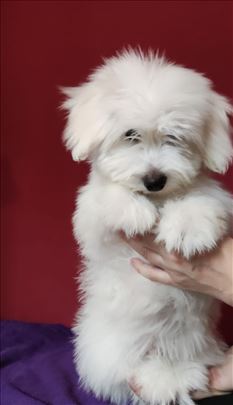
[152,131]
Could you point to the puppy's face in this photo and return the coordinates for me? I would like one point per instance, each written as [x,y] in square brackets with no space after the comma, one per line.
[149,160]
[147,124]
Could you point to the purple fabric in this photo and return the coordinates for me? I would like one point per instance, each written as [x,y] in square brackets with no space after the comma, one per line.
[37,366]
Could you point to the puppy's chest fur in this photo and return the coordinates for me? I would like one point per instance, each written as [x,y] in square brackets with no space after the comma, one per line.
[122,293]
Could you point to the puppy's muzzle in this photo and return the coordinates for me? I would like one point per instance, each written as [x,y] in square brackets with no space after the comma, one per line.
[154,181]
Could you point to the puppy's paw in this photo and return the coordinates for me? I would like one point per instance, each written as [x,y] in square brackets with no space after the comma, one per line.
[191,227]
[136,215]
[160,383]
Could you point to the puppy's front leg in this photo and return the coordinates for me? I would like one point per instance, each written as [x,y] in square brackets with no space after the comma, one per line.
[128,211]
[194,224]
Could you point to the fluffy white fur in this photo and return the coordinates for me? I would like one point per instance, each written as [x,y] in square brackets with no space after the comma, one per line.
[129,327]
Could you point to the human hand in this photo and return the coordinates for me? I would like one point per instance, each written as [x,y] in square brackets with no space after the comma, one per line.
[220,378]
[209,274]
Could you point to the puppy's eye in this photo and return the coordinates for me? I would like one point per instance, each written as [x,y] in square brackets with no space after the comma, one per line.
[132,135]
[170,140]
[171,137]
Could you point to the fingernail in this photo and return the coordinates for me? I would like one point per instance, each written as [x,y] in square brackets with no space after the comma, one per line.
[136,264]
[134,261]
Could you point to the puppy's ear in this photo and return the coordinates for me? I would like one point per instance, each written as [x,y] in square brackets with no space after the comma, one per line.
[219,151]
[84,129]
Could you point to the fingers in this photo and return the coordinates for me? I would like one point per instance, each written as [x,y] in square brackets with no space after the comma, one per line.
[164,267]
[150,255]
[147,248]
[151,272]
[206,394]
[221,378]
[135,387]
[156,254]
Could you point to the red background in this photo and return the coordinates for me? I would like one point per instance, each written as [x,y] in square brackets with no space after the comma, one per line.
[51,43]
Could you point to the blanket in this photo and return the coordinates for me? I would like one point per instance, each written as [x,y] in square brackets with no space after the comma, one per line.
[37,366]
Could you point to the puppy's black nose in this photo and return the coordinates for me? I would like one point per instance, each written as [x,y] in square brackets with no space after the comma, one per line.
[154,181]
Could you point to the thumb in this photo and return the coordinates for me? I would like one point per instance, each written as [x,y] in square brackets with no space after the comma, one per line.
[221,377]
